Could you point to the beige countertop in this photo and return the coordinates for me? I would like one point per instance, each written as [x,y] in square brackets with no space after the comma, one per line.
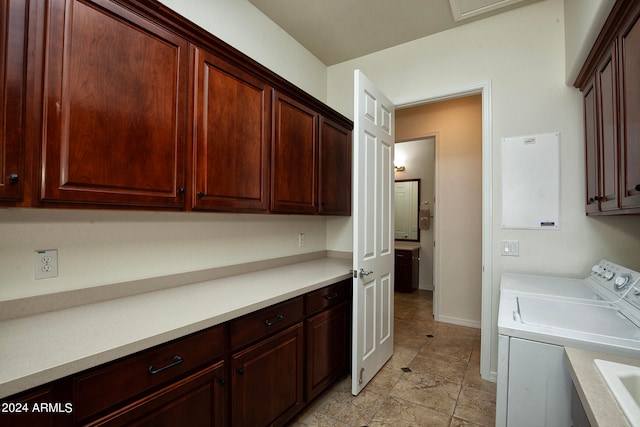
[40,348]
[401,244]
[598,401]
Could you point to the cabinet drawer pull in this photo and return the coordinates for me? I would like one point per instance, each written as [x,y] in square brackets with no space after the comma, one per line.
[279,319]
[14,178]
[176,361]
[332,296]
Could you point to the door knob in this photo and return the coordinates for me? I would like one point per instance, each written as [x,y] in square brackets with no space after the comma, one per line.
[363,273]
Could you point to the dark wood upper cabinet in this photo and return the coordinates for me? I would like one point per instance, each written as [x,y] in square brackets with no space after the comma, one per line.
[13,59]
[115,108]
[611,93]
[294,163]
[630,111]
[233,140]
[126,104]
[334,184]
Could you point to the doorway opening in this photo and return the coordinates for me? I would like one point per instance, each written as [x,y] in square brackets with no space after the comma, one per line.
[484,192]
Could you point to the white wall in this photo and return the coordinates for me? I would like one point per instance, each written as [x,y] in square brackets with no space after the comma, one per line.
[104,247]
[522,53]
[583,21]
[243,26]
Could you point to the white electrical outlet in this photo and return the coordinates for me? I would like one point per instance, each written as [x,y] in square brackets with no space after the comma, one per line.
[46,264]
[300,240]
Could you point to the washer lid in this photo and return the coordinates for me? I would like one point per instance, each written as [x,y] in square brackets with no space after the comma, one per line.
[604,320]
[547,285]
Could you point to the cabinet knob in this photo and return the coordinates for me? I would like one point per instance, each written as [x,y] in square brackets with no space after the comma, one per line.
[14,178]
[240,371]
[221,382]
[201,194]
[638,187]
[180,191]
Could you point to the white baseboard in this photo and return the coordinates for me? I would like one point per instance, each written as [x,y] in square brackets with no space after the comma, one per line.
[457,321]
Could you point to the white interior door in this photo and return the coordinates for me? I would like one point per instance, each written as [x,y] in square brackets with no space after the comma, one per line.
[373,258]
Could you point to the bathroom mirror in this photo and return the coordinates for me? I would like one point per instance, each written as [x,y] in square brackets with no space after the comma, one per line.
[407,198]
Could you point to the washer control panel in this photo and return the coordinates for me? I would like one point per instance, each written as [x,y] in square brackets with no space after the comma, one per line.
[615,279]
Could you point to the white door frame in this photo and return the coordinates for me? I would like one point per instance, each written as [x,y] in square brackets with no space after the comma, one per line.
[483,88]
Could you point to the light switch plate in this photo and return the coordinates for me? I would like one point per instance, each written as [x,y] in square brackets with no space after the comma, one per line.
[510,248]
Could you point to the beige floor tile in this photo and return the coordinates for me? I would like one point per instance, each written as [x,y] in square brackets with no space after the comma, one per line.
[476,406]
[385,380]
[457,422]
[473,379]
[444,367]
[316,420]
[358,410]
[402,356]
[396,412]
[427,390]
[454,347]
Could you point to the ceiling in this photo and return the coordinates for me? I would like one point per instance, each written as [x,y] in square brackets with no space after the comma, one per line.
[339,30]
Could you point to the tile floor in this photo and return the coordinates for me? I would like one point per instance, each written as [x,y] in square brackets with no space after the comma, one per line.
[441,388]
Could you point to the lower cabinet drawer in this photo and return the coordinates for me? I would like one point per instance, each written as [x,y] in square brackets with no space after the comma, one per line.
[119,381]
[262,323]
[329,296]
[195,401]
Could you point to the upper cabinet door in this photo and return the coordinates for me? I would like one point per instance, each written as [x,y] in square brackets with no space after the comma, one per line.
[630,112]
[13,54]
[592,147]
[294,157]
[334,186]
[116,89]
[607,91]
[231,154]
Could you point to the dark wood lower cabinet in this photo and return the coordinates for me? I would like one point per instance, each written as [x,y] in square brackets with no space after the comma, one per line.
[407,269]
[267,379]
[195,401]
[258,370]
[327,350]
[20,410]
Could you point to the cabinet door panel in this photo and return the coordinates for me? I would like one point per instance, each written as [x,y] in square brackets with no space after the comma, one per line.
[294,158]
[115,99]
[592,151]
[630,112]
[327,336]
[267,380]
[233,138]
[334,184]
[13,30]
[608,110]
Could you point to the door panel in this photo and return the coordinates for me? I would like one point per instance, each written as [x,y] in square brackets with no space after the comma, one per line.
[373,232]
